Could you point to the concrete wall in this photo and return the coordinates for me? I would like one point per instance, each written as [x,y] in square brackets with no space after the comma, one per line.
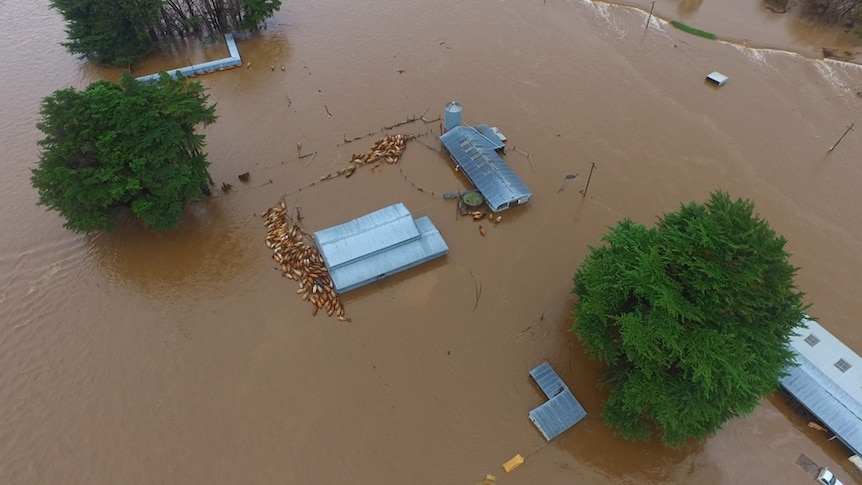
[206,67]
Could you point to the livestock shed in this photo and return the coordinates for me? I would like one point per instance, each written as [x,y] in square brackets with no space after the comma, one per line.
[827,382]
[377,245]
[475,154]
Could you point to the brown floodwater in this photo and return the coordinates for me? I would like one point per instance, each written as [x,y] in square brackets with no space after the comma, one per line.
[136,357]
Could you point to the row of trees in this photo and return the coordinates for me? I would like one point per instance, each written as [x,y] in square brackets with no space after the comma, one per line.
[122,32]
[844,12]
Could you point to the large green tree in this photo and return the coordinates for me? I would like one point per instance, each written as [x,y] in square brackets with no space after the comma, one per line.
[122,32]
[127,146]
[692,317]
[117,32]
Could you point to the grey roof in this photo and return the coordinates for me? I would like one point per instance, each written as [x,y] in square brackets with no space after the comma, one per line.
[561,411]
[474,154]
[377,245]
[491,137]
[832,395]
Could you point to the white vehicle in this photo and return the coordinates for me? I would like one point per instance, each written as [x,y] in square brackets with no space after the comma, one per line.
[828,478]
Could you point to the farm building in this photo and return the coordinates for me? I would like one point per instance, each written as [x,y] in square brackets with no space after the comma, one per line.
[377,245]
[827,382]
[475,154]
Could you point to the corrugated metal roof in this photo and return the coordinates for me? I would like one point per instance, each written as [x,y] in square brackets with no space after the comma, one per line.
[819,384]
[476,157]
[547,379]
[491,137]
[365,236]
[378,245]
[561,411]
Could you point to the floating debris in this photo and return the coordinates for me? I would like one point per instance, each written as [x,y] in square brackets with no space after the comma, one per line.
[301,262]
[226,186]
[243,177]
[515,462]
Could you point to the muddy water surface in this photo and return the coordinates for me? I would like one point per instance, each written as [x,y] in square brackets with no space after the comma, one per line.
[185,357]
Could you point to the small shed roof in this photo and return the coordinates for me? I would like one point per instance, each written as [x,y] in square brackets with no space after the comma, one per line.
[827,381]
[377,245]
[561,411]
[476,156]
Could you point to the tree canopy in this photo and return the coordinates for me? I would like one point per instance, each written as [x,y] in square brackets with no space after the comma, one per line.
[692,317]
[122,32]
[131,145]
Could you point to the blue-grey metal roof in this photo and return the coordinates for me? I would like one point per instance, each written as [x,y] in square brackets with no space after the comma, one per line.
[820,384]
[476,157]
[378,245]
[366,236]
[561,411]
[491,137]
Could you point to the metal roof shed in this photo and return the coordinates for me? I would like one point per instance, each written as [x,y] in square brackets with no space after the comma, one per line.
[561,411]
[377,245]
[474,154]
[826,382]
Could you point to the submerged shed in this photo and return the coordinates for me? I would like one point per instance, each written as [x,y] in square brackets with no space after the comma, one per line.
[561,411]
[474,153]
[826,382]
[377,245]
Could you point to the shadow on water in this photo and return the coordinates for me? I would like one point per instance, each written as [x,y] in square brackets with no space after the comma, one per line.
[199,256]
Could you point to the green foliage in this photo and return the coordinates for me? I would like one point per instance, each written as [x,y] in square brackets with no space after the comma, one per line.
[122,32]
[117,32]
[692,318]
[256,11]
[691,30]
[130,145]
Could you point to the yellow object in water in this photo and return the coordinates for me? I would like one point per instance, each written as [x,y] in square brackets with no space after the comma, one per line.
[515,462]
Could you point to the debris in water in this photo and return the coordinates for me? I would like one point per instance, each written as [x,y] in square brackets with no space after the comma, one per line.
[515,462]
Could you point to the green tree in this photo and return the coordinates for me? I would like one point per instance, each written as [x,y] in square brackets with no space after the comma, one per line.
[255,12]
[117,32]
[692,318]
[129,146]
[122,32]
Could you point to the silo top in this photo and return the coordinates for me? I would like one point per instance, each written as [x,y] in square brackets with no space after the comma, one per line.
[453,107]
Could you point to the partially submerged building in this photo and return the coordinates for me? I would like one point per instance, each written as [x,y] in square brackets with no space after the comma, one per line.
[377,245]
[827,382]
[561,411]
[474,151]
